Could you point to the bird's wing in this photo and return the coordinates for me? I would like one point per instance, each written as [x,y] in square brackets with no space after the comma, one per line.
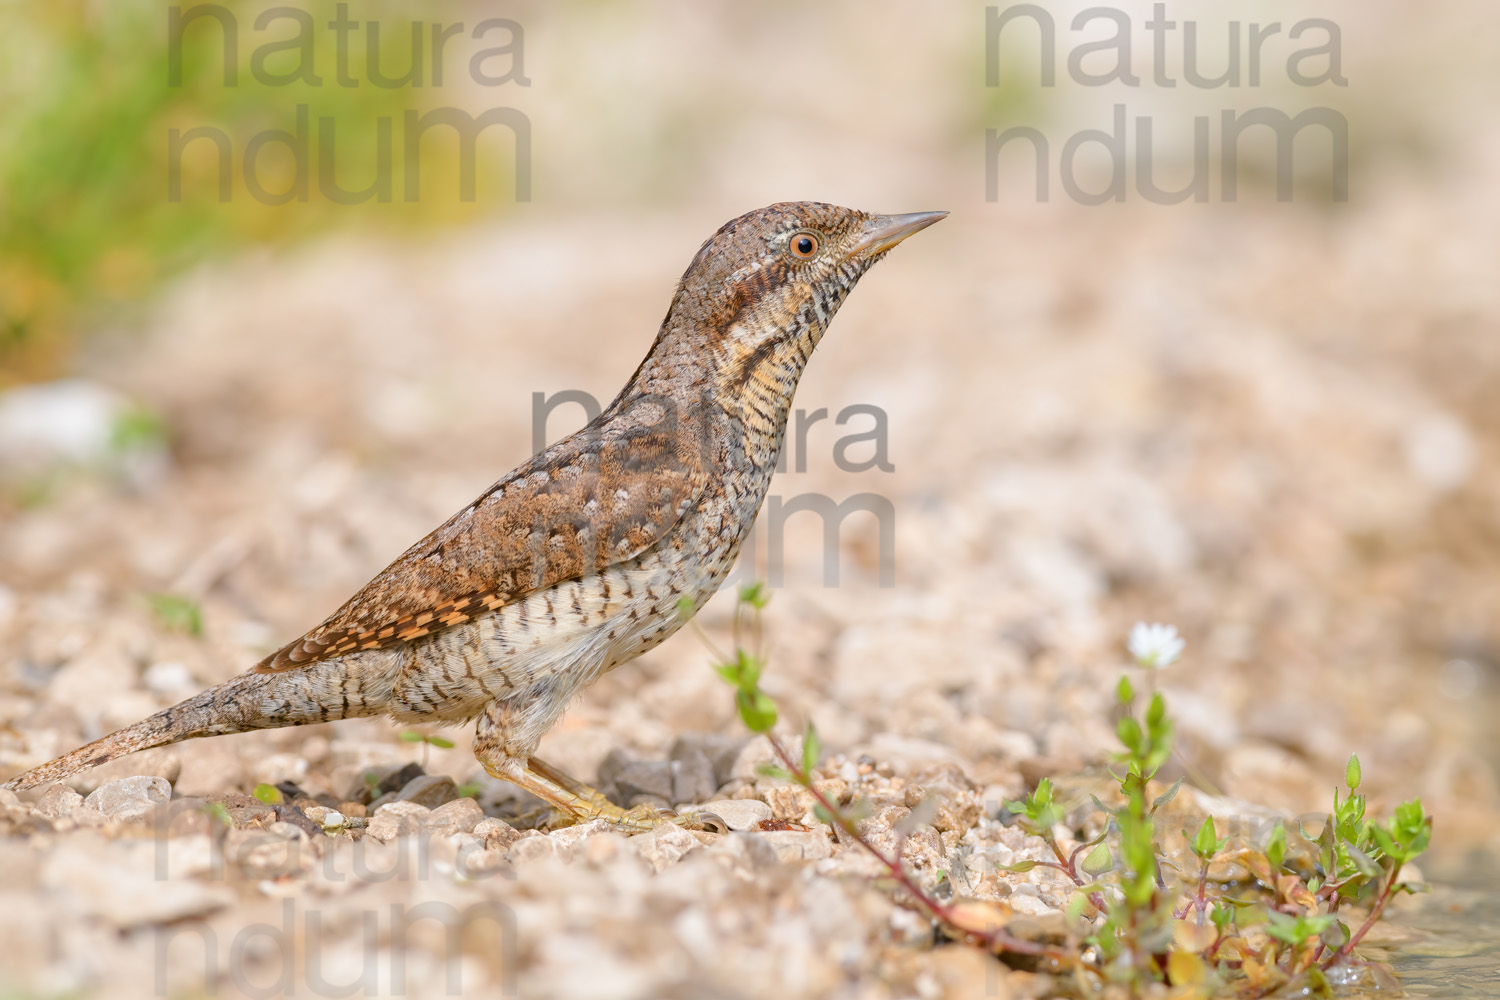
[600,497]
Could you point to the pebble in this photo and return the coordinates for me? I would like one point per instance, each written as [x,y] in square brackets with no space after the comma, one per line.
[161,762]
[496,834]
[58,801]
[396,819]
[634,782]
[328,819]
[798,845]
[721,750]
[692,774]
[665,845]
[128,799]
[456,816]
[430,790]
[568,836]
[739,814]
[529,850]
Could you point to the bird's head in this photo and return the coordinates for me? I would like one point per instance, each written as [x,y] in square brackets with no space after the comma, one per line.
[760,292]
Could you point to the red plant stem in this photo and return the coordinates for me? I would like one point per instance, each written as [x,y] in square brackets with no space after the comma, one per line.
[1364,928]
[1333,908]
[1061,868]
[1069,867]
[1198,902]
[1062,864]
[997,939]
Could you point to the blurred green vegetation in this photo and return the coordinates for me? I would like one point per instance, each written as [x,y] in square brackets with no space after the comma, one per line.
[86,223]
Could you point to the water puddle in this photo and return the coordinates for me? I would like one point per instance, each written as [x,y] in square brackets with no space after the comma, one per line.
[1446,943]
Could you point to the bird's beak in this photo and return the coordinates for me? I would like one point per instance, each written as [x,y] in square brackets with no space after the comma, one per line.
[885,231]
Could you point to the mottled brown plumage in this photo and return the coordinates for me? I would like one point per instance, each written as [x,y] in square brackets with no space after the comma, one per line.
[580,559]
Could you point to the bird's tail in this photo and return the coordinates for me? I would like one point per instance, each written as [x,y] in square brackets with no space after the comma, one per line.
[249,701]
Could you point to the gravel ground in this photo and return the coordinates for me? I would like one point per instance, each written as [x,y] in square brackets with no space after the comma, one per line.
[1276,430]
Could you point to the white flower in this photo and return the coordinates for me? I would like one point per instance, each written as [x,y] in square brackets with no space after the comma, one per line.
[1155,646]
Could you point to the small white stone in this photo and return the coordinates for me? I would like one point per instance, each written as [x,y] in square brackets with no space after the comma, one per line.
[169,678]
[128,798]
[396,819]
[739,814]
[798,845]
[665,845]
[58,801]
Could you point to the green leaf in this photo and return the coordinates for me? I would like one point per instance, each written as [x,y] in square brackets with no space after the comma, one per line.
[218,812]
[1157,712]
[755,594]
[757,710]
[1167,796]
[1337,935]
[1408,816]
[269,794]
[1411,827]
[1041,799]
[1099,861]
[812,750]
[775,771]
[1276,846]
[1296,930]
[1326,853]
[1351,772]
[822,814]
[1221,915]
[137,429]
[440,742]
[1388,845]
[1362,862]
[685,607]
[1206,843]
[1125,691]
[180,614]
[410,736]
[1019,868]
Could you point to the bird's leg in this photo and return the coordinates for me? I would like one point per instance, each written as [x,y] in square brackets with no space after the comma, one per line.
[588,793]
[575,801]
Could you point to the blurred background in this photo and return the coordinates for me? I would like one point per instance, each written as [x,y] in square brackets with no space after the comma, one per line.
[1270,422]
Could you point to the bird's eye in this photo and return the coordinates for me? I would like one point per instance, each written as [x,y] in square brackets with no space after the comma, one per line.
[804,246]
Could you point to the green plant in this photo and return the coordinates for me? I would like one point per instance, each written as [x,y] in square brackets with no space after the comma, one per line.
[1139,924]
[758,712]
[177,613]
[412,736]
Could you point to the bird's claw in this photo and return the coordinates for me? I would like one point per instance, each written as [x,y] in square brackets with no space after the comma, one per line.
[647,817]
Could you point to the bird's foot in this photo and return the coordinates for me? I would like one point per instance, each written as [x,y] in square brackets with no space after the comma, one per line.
[575,803]
[638,819]
[650,817]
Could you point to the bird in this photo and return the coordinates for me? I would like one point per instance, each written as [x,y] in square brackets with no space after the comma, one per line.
[592,552]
